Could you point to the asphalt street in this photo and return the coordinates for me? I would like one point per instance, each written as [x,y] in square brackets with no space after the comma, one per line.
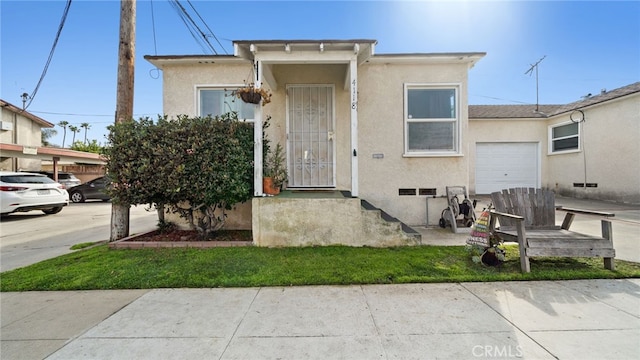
[31,237]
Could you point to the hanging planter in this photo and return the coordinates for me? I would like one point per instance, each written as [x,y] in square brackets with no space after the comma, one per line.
[253,95]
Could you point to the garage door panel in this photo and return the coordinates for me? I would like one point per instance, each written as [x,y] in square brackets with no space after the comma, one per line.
[506,165]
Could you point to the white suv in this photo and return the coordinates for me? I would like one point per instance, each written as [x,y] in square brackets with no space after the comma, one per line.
[68,180]
[21,191]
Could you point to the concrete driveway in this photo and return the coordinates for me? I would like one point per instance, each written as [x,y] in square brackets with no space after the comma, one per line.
[625,223]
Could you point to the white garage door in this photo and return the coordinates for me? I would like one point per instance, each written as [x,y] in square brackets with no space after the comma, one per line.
[506,165]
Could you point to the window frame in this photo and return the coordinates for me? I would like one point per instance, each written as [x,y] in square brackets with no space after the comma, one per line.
[456,120]
[551,139]
[222,87]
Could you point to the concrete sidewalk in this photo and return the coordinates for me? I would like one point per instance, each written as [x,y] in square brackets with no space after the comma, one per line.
[583,319]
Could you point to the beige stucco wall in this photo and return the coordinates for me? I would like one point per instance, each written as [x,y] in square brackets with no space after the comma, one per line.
[281,221]
[381,131]
[611,154]
[238,218]
[506,130]
[25,132]
[180,82]
[180,98]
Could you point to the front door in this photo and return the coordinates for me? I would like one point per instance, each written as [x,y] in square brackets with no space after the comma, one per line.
[310,135]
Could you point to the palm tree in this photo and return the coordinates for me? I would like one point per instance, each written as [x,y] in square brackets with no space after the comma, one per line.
[86,127]
[47,134]
[63,124]
[75,130]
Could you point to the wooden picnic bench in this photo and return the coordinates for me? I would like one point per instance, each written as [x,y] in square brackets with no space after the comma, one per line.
[527,216]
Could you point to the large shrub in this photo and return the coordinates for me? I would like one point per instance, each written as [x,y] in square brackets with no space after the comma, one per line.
[197,167]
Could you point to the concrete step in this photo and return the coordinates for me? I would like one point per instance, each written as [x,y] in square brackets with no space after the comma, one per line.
[409,231]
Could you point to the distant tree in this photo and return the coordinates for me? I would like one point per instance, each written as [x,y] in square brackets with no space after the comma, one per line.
[86,127]
[92,147]
[64,125]
[75,130]
[47,134]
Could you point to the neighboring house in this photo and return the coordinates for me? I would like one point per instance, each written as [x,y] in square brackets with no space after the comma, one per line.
[20,127]
[585,149]
[391,129]
[21,143]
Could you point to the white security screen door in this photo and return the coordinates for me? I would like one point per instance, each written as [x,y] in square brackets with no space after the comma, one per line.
[310,134]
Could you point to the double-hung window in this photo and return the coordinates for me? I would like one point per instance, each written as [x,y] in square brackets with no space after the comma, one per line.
[432,120]
[564,137]
[215,101]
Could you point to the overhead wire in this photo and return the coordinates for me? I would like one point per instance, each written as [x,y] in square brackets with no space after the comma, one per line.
[53,49]
[208,28]
[155,44]
[178,10]
[193,27]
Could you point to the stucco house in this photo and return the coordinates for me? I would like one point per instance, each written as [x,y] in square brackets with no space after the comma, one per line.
[386,132]
[21,146]
[20,127]
[585,149]
[379,127]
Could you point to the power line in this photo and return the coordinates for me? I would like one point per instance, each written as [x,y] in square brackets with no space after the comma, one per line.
[53,48]
[178,8]
[153,27]
[72,114]
[193,27]
[205,24]
[497,98]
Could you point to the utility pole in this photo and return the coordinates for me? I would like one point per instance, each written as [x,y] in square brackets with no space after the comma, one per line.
[124,100]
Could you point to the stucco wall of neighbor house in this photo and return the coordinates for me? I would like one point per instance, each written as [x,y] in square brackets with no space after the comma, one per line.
[25,132]
[610,157]
[506,130]
[381,133]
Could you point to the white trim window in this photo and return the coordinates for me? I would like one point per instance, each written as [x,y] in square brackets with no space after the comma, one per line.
[431,120]
[216,101]
[564,137]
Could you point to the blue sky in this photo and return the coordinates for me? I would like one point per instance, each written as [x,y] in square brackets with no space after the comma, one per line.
[588,45]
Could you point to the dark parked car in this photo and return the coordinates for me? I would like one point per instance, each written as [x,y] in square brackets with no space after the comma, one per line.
[94,189]
[68,180]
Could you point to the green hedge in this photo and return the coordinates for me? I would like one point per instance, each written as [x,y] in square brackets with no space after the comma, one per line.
[195,166]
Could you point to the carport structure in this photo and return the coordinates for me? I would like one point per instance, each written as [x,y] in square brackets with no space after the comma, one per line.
[52,154]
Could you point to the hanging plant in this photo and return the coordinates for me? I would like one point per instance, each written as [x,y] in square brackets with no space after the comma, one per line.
[252,95]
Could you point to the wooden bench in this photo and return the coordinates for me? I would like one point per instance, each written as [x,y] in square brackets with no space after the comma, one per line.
[527,216]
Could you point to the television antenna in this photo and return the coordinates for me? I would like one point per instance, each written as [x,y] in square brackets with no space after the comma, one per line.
[530,71]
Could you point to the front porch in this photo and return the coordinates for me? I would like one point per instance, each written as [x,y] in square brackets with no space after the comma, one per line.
[314,218]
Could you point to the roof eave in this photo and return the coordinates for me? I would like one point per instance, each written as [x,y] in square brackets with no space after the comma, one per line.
[469,58]
[162,60]
[44,123]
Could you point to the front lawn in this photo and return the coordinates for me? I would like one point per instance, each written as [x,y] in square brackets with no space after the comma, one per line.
[101,268]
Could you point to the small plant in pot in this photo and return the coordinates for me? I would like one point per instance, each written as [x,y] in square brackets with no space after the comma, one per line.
[275,171]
